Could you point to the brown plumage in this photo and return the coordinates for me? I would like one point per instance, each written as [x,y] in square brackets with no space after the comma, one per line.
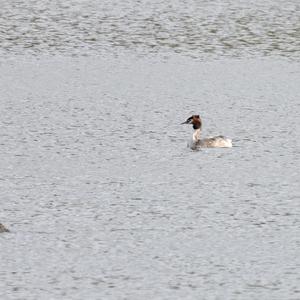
[195,120]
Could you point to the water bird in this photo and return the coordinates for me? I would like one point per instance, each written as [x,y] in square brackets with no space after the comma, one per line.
[212,142]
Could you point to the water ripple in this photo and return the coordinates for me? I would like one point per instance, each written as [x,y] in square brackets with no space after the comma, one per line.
[199,29]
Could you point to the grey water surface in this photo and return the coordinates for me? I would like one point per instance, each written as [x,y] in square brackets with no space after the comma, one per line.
[101,195]
[200,28]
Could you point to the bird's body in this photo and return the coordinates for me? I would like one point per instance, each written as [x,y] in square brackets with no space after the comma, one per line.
[211,142]
[3,228]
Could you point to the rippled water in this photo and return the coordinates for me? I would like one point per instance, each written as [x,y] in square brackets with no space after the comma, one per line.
[194,28]
[101,195]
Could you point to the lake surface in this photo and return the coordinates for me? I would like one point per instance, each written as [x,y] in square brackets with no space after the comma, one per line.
[202,28]
[101,194]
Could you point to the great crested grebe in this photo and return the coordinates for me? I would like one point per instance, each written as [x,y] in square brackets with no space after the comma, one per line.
[213,142]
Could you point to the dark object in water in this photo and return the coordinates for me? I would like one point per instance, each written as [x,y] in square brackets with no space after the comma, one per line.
[3,228]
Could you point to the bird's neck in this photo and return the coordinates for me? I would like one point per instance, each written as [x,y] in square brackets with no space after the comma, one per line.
[196,135]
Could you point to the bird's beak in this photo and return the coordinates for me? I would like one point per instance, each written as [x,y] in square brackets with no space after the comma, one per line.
[185,122]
